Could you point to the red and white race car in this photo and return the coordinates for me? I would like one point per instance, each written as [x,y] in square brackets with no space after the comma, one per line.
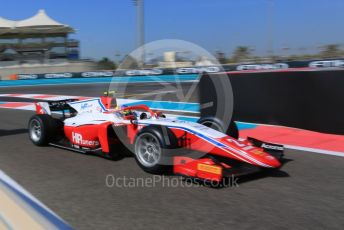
[159,144]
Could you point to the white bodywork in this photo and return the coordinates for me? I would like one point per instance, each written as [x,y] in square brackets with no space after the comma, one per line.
[93,112]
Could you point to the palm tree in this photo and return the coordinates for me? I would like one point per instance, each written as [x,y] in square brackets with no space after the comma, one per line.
[241,53]
[106,64]
[331,51]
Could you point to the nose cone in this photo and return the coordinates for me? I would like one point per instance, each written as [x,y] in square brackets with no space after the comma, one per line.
[263,159]
[272,161]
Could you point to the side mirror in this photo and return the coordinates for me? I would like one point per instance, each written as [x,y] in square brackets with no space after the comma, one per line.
[143,116]
[160,114]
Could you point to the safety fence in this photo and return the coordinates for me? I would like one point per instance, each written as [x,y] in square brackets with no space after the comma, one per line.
[250,67]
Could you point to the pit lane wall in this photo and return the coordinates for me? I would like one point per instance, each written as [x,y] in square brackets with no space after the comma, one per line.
[312,99]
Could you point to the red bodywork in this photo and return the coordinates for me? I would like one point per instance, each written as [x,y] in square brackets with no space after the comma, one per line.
[89,136]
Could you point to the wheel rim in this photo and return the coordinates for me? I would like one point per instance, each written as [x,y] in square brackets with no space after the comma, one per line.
[35,130]
[148,150]
[212,125]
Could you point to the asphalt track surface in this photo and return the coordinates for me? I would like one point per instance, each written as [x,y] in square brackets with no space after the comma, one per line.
[306,194]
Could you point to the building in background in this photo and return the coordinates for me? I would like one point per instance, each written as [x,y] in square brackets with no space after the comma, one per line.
[170,61]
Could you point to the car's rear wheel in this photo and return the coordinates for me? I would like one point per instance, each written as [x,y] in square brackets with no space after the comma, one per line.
[42,129]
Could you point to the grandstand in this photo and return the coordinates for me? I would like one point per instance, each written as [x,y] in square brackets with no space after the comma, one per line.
[38,41]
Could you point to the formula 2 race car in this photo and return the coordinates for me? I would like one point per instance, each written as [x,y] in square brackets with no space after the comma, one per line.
[159,144]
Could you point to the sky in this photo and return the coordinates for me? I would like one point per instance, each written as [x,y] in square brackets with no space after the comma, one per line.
[108,27]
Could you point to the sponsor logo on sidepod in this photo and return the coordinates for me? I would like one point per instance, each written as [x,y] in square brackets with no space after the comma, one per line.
[77,139]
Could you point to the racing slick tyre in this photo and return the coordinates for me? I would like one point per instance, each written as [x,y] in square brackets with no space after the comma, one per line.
[153,147]
[216,124]
[42,129]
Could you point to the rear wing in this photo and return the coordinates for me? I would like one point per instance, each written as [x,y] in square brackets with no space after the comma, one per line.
[46,107]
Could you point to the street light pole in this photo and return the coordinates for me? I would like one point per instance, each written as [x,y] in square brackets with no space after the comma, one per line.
[140,29]
[270,28]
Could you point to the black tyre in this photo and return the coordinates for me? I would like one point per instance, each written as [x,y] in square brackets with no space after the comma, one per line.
[233,130]
[153,149]
[42,129]
[216,124]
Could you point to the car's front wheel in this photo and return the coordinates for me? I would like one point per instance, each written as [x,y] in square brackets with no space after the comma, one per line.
[148,150]
[153,146]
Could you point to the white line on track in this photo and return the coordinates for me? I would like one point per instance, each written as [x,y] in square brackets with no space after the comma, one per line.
[148,94]
[294,147]
[320,151]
